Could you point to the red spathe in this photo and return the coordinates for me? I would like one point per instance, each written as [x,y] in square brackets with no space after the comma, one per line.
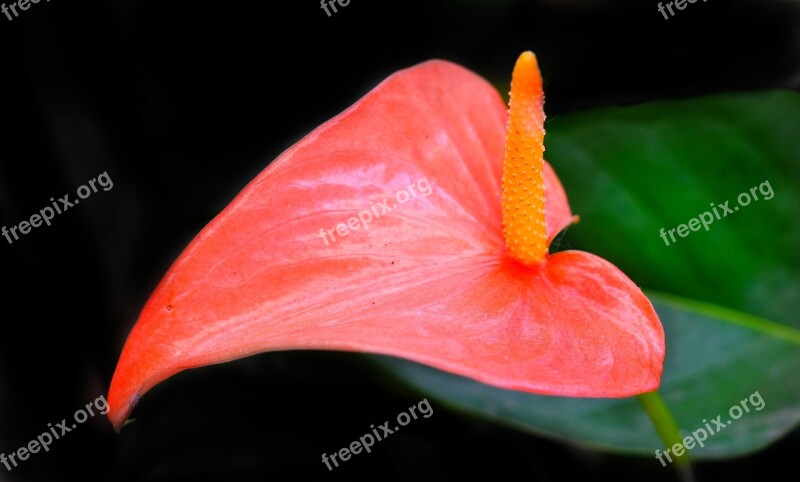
[429,280]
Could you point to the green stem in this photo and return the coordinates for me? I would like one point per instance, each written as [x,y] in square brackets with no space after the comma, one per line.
[667,429]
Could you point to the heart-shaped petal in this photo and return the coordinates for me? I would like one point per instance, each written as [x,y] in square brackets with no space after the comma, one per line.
[381,232]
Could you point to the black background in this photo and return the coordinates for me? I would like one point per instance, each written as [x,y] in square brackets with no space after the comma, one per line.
[182,103]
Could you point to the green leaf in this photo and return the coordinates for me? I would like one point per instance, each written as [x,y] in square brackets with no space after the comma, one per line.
[629,172]
[728,296]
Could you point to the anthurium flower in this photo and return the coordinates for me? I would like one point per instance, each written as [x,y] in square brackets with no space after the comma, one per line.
[409,225]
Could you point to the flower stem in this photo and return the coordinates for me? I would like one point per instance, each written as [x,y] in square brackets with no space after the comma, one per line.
[667,430]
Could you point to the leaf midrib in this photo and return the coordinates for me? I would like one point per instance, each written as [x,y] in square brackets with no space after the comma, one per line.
[728,315]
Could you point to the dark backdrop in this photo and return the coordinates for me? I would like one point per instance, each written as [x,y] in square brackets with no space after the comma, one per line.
[184,102]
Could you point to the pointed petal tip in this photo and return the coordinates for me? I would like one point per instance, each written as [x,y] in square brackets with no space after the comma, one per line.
[120,405]
[122,394]
[145,361]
